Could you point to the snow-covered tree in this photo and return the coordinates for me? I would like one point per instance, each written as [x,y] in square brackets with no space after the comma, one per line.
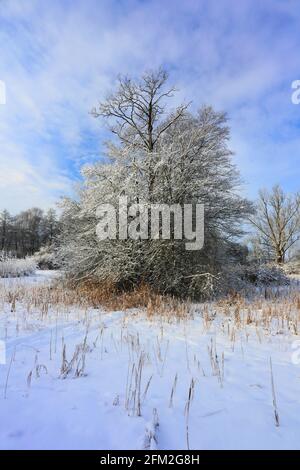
[277,223]
[159,156]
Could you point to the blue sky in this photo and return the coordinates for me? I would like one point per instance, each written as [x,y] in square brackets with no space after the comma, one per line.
[59,58]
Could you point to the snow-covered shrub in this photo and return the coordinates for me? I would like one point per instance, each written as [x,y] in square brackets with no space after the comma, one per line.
[237,278]
[292,267]
[45,258]
[241,277]
[13,267]
[270,274]
[5,255]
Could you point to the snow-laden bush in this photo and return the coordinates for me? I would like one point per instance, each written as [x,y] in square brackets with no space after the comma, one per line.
[5,255]
[13,267]
[45,258]
[292,267]
[241,277]
[268,274]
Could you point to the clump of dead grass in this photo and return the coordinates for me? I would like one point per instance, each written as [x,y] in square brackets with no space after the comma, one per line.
[63,295]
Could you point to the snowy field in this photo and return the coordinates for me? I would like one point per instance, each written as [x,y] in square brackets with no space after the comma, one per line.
[88,379]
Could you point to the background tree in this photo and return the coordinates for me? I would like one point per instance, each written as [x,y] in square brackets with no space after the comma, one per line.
[25,233]
[5,230]
[277,222]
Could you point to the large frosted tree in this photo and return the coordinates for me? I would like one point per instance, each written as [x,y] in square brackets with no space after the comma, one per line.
[157,155]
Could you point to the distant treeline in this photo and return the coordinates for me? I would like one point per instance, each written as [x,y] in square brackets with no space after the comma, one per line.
[25,233]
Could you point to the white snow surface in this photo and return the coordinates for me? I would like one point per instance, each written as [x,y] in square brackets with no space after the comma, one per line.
[42,409]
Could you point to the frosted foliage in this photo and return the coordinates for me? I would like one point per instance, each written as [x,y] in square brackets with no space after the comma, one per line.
[11,267]
[186,160]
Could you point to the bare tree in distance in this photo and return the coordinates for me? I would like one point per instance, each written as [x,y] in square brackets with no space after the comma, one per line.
[277,222]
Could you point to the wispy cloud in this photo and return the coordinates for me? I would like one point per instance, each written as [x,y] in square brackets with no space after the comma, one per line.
[59,58]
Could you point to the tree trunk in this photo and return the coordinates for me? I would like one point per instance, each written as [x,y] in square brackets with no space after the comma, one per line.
[280,257]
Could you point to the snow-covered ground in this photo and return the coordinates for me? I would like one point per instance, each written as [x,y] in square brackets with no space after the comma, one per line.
[88,379]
